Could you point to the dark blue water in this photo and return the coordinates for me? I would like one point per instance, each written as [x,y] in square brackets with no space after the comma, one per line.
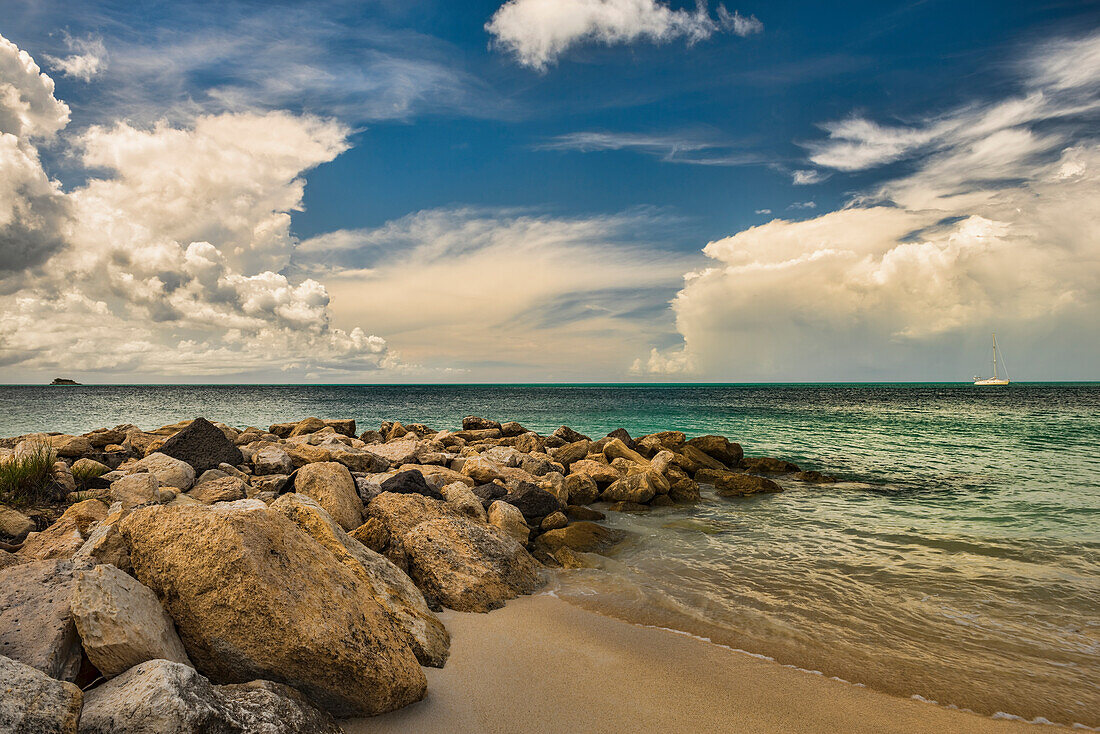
[959,560]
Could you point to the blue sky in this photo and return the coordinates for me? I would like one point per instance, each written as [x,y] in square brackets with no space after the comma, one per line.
[622,153]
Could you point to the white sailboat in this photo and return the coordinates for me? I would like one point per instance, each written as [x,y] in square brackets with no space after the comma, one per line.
[996,379]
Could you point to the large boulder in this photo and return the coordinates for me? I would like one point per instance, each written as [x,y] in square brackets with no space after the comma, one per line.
[533,502]
[36,625]
[105,544]
[567,434]
[581,489]
[121,622]
[34,703]
[400,513]
[334,489]
[693,460]
[202,445]
[164,697]
[223,489]
[570,452]
[639,488]
[468,567]
[169,471]
[66,536]
[474,423]
[462,498]
[254,596]
[423,631]
[720,448]
[583,536]
[601,474]
[507,518]
[14,525]
[411,482]
[134,489]
[732,484]
[398,452]
[271,460]
[616,449]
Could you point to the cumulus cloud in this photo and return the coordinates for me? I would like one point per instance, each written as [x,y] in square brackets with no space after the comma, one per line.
[511,294]
[991,229]
[537,32]
[88,58]
[168,260]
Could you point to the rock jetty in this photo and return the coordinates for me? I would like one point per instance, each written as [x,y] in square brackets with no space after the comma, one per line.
[204,577]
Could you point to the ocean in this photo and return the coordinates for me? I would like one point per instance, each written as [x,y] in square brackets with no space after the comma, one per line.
[958,560]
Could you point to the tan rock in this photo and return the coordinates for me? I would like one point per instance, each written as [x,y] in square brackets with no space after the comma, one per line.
[581,489]
[509,519]
[468,567]
[373,534]
[400,513]
[306,426]
[304,454]
[14,525]
[583,536]
[616,449]
[440,474]
[36,626]
[732,484]
[601,474]
[554,521]
[105,544]
[271,460]
[87,468]
[170,472]
[638,488]
[254,596]
[483,471]
[66,536]
[226,489]
[331,484]
[692,460]
[121,622]
[35,703]
[423,632]
[461,497]
[398,452]
[135,489]
[720,448]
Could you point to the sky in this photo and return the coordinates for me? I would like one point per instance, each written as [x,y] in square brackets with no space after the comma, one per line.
[548,191]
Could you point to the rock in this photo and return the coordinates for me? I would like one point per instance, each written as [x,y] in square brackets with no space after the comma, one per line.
[210,475]
[571,452]
[732,484]
[814,477]
[489,493]
[578,512]
[581,489]
[14,525]
[121,622]
[105,544]
[534,503]
[671,440]
[71,447]
[639,488]
[400,513]
[682,488]
[373,534]
[554,483]
[254,596]
[358,460]
[474,436]
[306,426]
[372,436]
[36,626]
[483,471]
[474,423]
[63,479]
[662,500]
[693,460]
[202,445]
[343,426]
[164,697]
[720,448]
[398,452]
[410,482]
[509,519]
[65,537]
[567,434]
[34,703]
[601,474]
[271,460]
[468,567]
[585,537]
[528,443]
[135,489]
[332,486]
[438,476]
[303,453]
[662,461]
[169,471]
[461,497]
[226,489]
[8,559]
[270,483]
[103,437]
[509,429]
[767,465]
[616,449]
[622,435]
[422,631]
[554,521]
[84,469]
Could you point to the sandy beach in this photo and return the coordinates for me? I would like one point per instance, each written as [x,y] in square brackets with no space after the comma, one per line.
[541,664]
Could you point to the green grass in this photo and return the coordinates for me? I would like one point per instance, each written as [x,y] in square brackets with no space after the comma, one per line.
[26,479]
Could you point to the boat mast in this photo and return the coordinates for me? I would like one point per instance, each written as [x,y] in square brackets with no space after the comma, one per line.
[994,355]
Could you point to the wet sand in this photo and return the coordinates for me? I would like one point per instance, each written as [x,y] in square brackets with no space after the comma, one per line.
[541,665]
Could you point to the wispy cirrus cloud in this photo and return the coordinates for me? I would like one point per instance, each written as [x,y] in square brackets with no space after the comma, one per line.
[670,148]
[537,32]
[87,57]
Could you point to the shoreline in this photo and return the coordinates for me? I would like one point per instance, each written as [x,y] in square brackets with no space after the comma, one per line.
[570,654]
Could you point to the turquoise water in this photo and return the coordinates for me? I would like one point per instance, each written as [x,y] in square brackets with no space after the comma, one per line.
[959,560]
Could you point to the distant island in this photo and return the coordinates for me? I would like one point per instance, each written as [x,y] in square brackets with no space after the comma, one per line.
[63,381]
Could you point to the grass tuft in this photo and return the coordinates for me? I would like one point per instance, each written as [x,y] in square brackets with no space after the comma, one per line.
[83,472]
[25,479]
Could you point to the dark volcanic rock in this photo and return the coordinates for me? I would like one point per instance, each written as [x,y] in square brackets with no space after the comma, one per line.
[534,503]
[202,445]
[411,482]
[488,493]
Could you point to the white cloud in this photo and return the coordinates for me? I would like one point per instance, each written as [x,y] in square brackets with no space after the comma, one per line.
[803,205]
[669,148]
[991,229]
[514,295]
[807,177]
[763,211]
[89,59]
[537,32]
[167,261]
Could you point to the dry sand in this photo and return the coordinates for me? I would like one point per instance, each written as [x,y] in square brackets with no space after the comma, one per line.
[542,665]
